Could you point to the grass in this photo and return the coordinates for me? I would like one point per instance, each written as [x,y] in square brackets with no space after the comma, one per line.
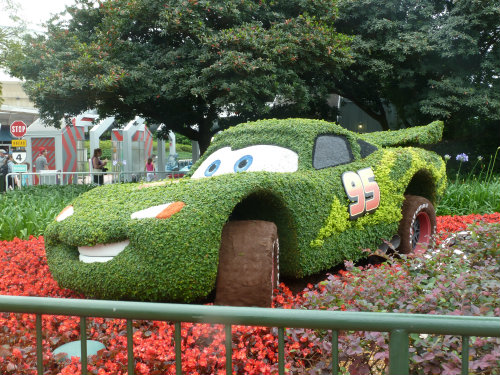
[27,212]
[474,196]
[477,192]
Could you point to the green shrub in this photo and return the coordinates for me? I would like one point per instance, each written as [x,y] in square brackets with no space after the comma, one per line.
[176,259]
[471,197]
[183,148]
[28,211]
[460,278]
[477,191]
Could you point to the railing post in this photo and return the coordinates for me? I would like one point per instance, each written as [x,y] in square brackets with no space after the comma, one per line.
[398,352]
[229,349]
[178,349]
[465,355]
[39,344]
[83,342]
[130,348]
[281,351]
[335,352]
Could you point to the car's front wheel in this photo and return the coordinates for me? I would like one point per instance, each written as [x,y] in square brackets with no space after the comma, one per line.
[418,224]
[248,264]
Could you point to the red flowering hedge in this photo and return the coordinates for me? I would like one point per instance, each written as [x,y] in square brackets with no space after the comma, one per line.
[24,271]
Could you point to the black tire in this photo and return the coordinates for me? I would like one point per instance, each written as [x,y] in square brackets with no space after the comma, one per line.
[248,269]
[418,224]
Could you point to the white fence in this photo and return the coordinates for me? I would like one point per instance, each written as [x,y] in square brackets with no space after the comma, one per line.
[18,180]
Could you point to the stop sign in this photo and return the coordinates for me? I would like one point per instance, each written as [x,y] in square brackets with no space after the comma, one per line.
[18,129]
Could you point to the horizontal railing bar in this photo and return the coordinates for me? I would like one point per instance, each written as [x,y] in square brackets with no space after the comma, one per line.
[255,316]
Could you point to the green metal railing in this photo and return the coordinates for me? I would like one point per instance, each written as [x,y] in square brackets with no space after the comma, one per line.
[399,326]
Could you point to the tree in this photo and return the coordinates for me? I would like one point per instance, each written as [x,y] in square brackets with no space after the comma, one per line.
[431,59]
[187,63]
[10,36]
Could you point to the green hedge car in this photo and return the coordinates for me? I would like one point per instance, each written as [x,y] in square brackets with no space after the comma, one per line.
[291,197]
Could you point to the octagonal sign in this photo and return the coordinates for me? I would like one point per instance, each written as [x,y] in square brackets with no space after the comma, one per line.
[18,129]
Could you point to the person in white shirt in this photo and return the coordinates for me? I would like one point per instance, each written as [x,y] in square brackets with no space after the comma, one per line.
[41,161]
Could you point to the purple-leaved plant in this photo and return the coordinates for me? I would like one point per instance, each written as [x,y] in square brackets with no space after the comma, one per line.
[461,277]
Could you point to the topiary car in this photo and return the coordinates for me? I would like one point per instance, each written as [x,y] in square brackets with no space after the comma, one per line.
[325,192]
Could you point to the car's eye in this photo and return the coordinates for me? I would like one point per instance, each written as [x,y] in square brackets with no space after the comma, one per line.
[162,211]
[243,163]
[65,213]
[257,158]
[212,168]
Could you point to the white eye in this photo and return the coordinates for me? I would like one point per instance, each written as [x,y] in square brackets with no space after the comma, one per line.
[266,158]
[249,159]
[162,211]
[65,213]
[215,164]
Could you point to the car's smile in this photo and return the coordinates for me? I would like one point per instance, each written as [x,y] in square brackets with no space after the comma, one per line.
[101,253]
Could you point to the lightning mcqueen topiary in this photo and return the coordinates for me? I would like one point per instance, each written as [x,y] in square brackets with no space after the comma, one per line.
[326,193]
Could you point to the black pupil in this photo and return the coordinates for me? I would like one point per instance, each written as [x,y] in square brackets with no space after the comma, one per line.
[242,163]
[212,167]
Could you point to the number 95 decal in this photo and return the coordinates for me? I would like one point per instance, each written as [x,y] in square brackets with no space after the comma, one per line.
[362,190]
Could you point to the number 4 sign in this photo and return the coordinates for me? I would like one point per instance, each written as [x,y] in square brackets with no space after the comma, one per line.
[19,157]
[362,190]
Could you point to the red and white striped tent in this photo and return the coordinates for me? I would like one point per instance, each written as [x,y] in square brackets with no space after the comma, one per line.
[61,144]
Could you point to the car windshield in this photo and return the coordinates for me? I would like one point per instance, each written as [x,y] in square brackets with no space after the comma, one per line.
[331,150]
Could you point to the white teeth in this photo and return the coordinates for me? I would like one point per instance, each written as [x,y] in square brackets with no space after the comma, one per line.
[86,259]
[102,252]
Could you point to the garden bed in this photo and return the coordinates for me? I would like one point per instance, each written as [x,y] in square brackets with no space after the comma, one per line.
[460,280]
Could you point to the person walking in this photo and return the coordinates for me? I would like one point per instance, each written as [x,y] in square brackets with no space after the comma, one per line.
[98,166]
[41,163]
[4,170]
[11,180]
[150,169]
[3,155]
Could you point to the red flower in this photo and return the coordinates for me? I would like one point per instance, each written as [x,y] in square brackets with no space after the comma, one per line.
[24,271]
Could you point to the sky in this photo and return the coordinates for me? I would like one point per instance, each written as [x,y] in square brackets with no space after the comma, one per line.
[34,13]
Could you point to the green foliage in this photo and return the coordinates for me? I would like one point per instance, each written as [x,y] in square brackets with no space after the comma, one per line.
[182,140]
[421,135]
[431,60]
[473,196]
[10,36]
[176,259]
[27,212]
[183,150]
[184,63]
[473,193]
[456,278]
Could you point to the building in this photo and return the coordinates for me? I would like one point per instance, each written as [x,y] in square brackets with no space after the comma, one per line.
[16,106]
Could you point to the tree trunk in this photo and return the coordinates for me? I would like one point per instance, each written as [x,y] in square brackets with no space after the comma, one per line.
[205,131]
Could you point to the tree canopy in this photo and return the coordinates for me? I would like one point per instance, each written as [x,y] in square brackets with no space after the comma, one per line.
[431,59]
[10,36]
[187,63]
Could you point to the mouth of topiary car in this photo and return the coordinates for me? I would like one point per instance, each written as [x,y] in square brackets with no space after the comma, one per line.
[104,252]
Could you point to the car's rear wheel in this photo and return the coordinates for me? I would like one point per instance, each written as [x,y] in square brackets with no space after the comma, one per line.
[418,224]
[248,269]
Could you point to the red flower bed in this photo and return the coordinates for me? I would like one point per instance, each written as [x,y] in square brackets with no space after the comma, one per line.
[458,223]
[24,271]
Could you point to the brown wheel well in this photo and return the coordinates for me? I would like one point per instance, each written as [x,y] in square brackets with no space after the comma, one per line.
[267,206]
[423,185]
